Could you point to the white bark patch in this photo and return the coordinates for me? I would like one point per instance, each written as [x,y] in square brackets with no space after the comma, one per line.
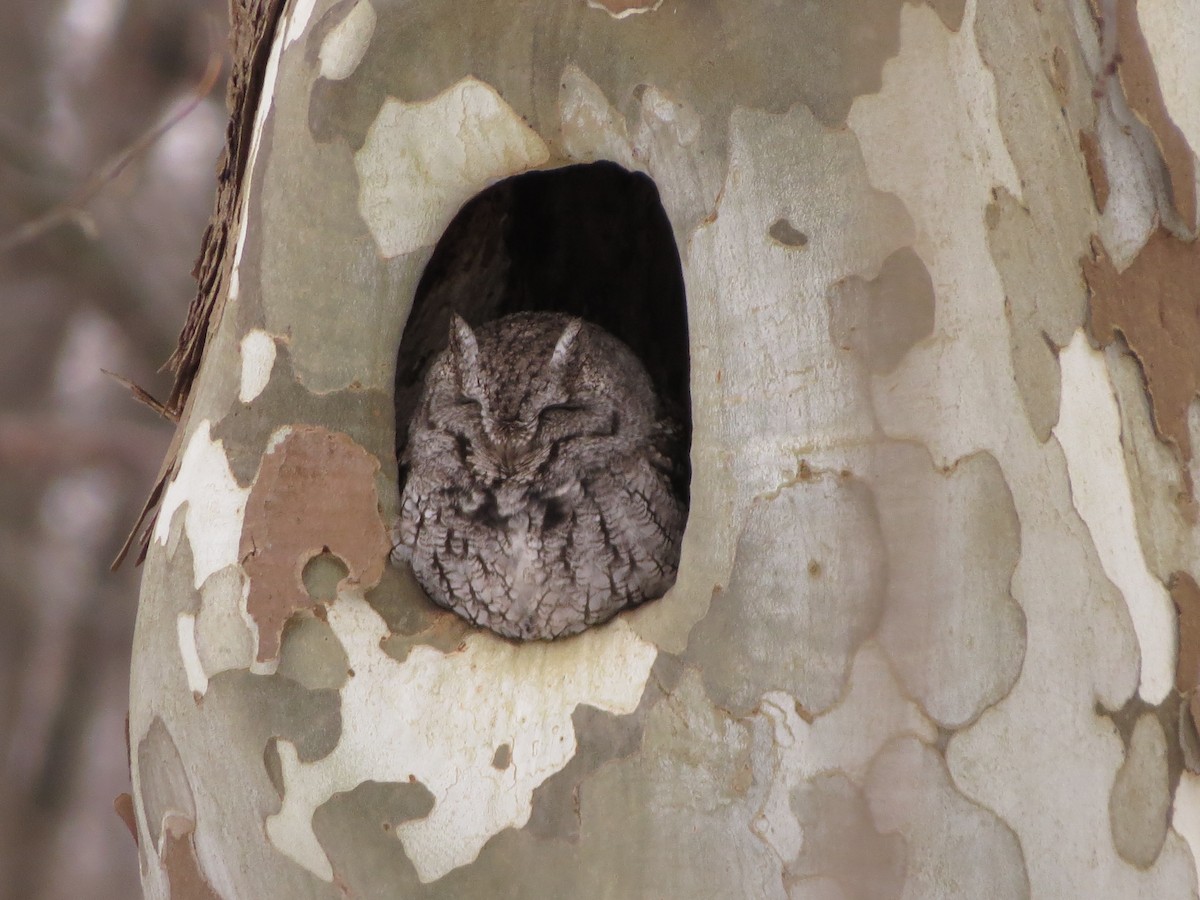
[215,505]
[346,44]
[1089,430]
[1172,31]
[667,138]
[422,161]
[196,678]
[258,358]
[447,714]
[591,128]
[628,11]
[301,13]
[1131,212]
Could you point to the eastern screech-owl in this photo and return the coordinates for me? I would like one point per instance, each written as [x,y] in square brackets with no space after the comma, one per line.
[539,497]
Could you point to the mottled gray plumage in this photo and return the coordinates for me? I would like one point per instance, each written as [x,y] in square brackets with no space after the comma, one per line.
[538,498]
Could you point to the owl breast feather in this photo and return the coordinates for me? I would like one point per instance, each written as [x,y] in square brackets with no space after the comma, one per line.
[531,525]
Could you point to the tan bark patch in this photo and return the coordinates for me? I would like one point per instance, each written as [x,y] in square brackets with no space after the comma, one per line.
[1155,306]
[1135,68]
[315,493]
[180,862]
[1060,75]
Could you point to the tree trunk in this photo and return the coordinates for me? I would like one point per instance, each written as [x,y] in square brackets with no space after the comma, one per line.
[940,297]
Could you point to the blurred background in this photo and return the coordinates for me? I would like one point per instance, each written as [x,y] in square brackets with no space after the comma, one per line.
[106,184]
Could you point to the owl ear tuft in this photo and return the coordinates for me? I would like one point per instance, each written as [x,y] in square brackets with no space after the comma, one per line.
[465,348]
[566,344]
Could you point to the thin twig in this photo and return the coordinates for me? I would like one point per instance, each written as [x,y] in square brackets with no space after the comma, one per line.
[73,207]
[141,395]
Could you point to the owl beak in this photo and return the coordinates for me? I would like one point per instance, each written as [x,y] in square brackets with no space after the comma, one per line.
[512,459]
[510,450]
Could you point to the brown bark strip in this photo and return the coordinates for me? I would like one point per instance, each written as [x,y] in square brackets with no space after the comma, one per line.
[252,33]
[1089,144]
[1186,595]
[123,807]
[1155,306]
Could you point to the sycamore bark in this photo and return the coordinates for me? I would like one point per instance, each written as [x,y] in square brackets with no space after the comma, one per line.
[923,641]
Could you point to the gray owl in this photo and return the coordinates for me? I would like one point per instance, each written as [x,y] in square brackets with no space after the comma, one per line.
[539,497]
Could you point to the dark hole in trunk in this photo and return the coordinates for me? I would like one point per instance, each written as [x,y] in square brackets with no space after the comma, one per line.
[589,240]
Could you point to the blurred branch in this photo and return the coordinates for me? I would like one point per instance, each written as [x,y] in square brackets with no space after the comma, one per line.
[72,209]
[51,443]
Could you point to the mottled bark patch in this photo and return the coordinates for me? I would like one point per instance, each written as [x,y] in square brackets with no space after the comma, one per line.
[1141,798]
[882,317]
[358,827]
[842,844]
[312,656]
[949,839]
[950,625]
[343,35]
[831,521]
[447,713]
[435,155]
[314,494]
[165,789]
[602,737]
[1139,79]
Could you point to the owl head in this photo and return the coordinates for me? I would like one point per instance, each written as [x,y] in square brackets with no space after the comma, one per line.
[538,399]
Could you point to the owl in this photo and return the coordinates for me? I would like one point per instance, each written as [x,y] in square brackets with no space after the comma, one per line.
[538,498]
